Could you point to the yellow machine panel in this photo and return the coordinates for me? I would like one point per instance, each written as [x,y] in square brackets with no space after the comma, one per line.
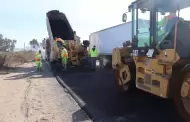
[153,74]
[160,52]
[77,53]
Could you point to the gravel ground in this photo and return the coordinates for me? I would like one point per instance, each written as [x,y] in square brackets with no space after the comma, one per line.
[27,96]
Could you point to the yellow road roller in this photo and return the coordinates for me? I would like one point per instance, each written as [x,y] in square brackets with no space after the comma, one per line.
[157,58]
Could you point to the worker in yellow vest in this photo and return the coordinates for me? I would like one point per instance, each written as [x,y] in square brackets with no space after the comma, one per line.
[93,55]
[64,55]
[38,60]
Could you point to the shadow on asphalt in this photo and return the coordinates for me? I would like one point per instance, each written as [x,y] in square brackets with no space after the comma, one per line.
[104,103]
[29,72]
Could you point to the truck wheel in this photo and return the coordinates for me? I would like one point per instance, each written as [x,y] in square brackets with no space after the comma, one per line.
[101,62]
[182,97]
[124,79]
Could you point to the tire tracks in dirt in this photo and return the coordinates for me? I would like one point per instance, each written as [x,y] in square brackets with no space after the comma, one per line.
[25,105]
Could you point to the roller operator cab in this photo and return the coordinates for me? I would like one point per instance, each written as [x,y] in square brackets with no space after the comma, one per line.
[160,50]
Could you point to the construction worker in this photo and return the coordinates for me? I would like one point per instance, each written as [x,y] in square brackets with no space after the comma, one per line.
[57,40]
[93,55]
[170,20]
[167,23]
[64,55]
[38,61]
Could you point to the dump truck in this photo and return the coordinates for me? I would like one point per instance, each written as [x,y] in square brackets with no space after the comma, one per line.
[157,58]
[58,26]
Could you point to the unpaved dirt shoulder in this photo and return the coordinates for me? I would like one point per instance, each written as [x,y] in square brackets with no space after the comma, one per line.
[12,90]
[36,97]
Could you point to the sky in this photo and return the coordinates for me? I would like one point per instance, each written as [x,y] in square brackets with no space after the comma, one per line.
[24,20]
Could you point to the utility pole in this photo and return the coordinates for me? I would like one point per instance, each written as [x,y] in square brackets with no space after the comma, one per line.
[24,46]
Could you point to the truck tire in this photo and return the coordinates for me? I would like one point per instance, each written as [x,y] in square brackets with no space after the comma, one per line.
[120,88]
[183,108]
[105,61]
[101,65]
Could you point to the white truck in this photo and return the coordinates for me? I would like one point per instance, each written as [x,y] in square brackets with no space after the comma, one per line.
[107,39]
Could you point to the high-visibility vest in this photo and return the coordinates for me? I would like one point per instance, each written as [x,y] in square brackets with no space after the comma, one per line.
[38,58]
[165,19]
[93,53]
[64,53]
[162,22]
[169,17]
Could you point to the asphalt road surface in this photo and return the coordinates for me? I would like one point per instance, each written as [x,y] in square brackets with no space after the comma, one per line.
[104,103]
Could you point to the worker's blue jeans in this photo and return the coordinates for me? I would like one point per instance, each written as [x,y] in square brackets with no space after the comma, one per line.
[93,62]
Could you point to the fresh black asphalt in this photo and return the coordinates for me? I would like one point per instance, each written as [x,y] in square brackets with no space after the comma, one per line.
[97,90]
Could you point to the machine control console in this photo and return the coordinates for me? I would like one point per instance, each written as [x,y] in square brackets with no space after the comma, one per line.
[144,52]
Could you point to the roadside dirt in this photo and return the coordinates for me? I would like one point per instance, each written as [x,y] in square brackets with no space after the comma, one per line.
[12,59]
[28,96]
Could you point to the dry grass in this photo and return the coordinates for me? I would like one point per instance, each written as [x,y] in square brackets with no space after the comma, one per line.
[12,59]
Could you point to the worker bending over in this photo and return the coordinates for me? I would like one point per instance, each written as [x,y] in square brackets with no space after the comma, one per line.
[64,56]
[93,55]
[38,61]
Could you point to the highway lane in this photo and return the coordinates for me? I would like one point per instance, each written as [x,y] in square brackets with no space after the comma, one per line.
[102,100]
